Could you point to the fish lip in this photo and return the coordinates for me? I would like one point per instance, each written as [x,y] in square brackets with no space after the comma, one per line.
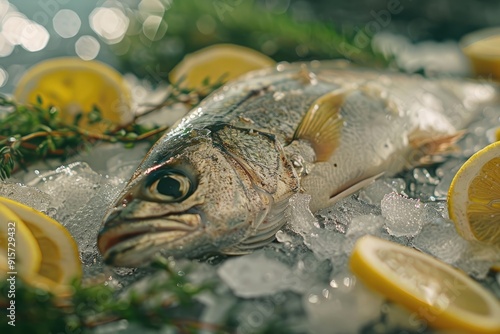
[126,234]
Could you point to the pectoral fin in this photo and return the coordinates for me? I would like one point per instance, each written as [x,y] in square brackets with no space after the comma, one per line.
[353,188]
[322,125]
[264,233]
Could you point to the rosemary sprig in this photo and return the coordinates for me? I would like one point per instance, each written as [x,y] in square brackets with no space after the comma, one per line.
[29,133]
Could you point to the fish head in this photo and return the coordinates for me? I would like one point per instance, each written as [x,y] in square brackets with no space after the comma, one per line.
[186,199]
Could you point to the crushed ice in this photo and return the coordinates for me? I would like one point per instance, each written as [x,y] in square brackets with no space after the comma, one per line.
[305,272]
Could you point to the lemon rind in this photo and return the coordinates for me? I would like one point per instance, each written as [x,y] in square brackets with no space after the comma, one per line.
[182,69]
[26,256]
[108,73]
[58,233]
[458,199]
[379,276]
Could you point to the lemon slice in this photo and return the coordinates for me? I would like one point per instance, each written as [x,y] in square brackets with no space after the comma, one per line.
[77,86]
[474,196]
[482,47]
[216,62]
[17,244]
[442,295]
[60,262]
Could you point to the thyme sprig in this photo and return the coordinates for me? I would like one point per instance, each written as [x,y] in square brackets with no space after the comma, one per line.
[30,133]
[96,304]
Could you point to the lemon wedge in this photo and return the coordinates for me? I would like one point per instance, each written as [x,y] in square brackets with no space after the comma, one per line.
[77,86]
[474,196]
[60,262]
[17,244]
[435,291]
[216,63]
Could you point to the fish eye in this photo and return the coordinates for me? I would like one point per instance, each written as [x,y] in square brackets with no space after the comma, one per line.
[169,186]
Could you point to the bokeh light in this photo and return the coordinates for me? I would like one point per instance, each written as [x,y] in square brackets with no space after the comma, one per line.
[17,29]
[3,77]
[154,28]
[155,7]
[6,47]
[12,27]
[66,23]
[87,47]
[109,23]
[206,24]
[34,37]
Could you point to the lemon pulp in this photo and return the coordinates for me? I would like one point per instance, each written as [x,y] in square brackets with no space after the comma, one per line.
[433,290]
[76,86]
[217,62]
[59,261]
[474,197]
[22,248]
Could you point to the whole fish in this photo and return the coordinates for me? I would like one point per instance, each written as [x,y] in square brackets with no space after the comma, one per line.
[220,180]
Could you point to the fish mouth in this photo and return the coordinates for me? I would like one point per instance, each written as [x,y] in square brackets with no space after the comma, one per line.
[132,243]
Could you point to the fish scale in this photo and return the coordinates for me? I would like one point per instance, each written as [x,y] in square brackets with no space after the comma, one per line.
[322,128]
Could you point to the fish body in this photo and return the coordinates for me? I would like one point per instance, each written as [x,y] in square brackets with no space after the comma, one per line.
[219,181]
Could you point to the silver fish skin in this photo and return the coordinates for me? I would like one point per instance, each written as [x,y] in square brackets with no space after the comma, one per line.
[219,181]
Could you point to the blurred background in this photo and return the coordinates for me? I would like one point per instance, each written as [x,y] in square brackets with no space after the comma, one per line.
[148,37]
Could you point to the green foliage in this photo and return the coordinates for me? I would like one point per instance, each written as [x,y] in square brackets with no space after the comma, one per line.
[38,311]
[194,24]
[29,133]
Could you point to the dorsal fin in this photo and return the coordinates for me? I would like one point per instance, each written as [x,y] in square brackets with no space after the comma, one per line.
[322,124]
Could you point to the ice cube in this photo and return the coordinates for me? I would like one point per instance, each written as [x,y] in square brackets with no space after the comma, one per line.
[305,224]
[366,224]
[71,186]
[327,240]
[338,216]
[300,218]
[81,198]
[255,275]
[360,226]
[477,259]
[85,223]
[440,239]
[27,195]
[375,192]
[446,172]
[343,306]
[405,216]
[397,319]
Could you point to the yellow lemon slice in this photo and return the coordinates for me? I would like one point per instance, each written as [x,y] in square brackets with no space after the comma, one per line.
[77,86]
[19,250]
[483,49]
[433,290]
[216,62]
[60,262]
[474,196]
